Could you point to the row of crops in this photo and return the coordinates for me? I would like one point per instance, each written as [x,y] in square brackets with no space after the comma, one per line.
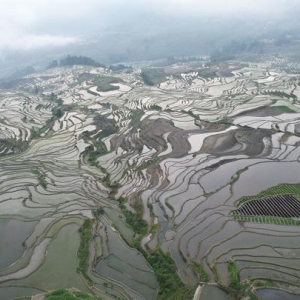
[282,189]
[286,206]
[278,205]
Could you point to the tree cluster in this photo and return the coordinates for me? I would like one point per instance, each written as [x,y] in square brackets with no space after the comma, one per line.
[72,60]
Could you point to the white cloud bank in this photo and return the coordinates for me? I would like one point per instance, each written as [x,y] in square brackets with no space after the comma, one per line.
[20,23]
[34,24]
[23,41]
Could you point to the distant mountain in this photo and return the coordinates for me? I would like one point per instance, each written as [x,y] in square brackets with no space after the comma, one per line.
[74,60]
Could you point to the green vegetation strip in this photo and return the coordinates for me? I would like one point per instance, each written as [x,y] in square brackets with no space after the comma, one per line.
[135,117]
[165,270]
[266,219]
[243,290]
[237,289]
[57,112]
[85,233]
[135,220]
[285,109]
[97,147]
[41,178]
[69,295]
[16,145]
[234,275]
[201,272]
[282,189]
[170,284]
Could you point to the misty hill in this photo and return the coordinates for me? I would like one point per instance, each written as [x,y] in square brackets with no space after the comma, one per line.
[74,60]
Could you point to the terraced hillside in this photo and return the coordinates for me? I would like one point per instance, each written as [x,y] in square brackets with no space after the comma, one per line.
[130,191]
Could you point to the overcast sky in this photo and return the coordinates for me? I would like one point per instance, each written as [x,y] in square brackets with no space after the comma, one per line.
[32,24]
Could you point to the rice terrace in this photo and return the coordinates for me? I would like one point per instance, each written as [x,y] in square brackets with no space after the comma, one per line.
[285,206]
[152,182]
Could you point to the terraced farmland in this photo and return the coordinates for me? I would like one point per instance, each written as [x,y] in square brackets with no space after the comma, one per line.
[285,206]
[145,192]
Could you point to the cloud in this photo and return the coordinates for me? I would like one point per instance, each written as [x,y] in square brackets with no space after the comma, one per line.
[30,24]
[34,24]
[28,42]
[204,7]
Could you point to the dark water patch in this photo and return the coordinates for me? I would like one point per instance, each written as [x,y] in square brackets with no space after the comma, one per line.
[274,294]
[8,293]
[12,235]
